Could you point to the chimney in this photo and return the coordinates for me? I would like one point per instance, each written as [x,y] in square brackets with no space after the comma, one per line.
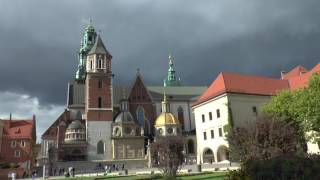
[283,73]
[34,117]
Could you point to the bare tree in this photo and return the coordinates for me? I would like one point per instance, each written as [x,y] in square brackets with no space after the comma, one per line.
[264,138]
[167,154]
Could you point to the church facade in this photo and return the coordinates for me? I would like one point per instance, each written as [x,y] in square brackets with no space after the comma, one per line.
[104,122]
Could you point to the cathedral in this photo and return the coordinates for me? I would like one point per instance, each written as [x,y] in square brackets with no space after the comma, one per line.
[107,123]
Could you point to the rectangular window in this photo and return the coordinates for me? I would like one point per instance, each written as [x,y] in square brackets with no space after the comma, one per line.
[205,135]
[17,153]
[254,110]
[203,119]
[99,84]
[99,102]
[218,113]
[13,143]
[23,143]
[220,132]
[210,115]
[212,134]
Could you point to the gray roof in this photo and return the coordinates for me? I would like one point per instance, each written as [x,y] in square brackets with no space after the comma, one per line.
[179,93]
[76,94]
[98,47]
[119,93]
[124,117]
[76,124]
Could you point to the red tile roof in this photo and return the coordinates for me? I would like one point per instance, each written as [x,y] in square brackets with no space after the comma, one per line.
[244,84]
[19,128]
[301,80]
[297,71]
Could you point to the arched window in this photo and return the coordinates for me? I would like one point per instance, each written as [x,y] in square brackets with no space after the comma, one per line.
[100,147]
[91,65]
[181,117]
[79,115]
[100,63]
[190,147]
[99,102]
[140,115]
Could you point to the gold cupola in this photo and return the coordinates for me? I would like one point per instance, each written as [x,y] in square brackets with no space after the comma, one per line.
[167,123]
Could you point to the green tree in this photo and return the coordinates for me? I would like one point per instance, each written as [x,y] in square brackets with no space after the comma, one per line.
[300,107]
[167,155]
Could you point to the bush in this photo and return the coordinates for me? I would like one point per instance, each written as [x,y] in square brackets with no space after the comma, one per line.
[14,165]
[263,138]
[291,167]
[237,175]
[4,165]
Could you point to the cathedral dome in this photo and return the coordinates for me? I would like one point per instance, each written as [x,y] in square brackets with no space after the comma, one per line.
[76,124]
[124,117]
[75,132]
[166,119]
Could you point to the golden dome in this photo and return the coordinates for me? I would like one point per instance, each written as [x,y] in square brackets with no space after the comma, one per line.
[166,118]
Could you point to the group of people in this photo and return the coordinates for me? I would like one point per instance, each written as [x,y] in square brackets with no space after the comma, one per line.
[113,167]
[62,171]
[59,173]
[34,174]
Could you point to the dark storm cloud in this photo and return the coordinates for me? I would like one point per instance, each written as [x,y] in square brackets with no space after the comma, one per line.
[39,40]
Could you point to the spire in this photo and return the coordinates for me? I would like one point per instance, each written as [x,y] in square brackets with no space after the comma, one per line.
[138,72]
[87,42]
[171,77]
[98,47]
[165,103]
[124,102]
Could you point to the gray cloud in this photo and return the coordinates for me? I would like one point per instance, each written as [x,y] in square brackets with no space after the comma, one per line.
[39,40]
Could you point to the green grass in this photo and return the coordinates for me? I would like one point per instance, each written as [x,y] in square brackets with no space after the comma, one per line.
[202,176]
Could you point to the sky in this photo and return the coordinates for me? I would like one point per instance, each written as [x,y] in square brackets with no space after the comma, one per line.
[39,41]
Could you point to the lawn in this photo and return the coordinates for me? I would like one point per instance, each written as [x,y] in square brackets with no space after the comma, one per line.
[202,176]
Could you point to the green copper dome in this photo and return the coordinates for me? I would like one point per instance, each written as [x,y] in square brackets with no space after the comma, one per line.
[88,40]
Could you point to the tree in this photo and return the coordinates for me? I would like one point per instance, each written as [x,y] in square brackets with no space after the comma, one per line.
[301,107]
[167,155]
[262,139]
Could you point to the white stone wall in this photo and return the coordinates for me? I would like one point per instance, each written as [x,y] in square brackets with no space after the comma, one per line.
[242,112]
[96,131]
[208,125]
[242,104]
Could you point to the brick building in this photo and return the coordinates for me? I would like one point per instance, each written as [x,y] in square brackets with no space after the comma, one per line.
[18,141]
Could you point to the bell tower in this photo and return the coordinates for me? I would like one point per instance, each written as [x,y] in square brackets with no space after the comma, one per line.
[98,101]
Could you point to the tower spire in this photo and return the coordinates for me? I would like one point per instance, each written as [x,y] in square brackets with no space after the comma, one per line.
[165,103]
[171,77]
[88,39]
